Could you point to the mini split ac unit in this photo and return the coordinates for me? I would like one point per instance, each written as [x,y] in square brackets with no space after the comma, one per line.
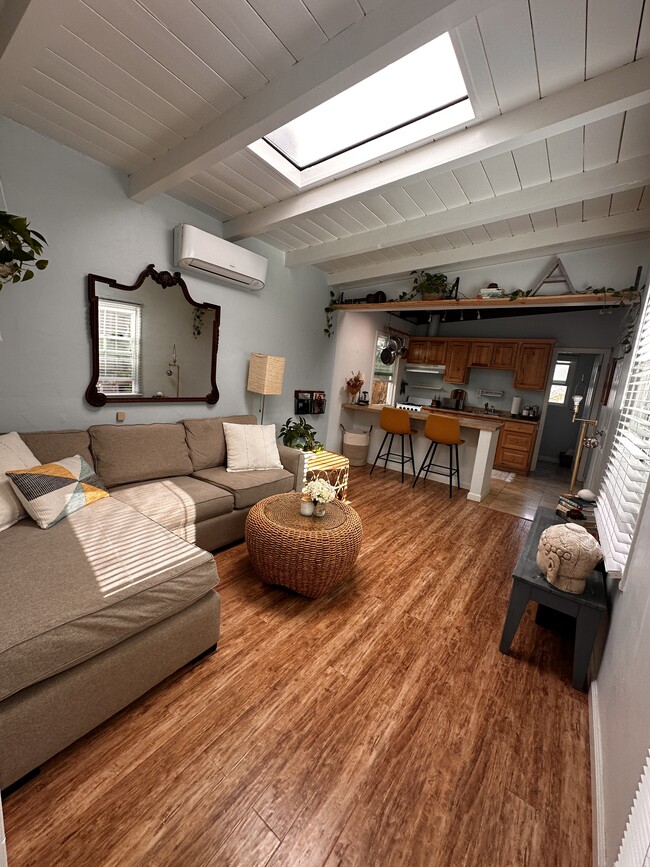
[195,250]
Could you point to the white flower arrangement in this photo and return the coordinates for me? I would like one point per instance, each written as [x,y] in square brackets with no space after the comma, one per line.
[320,491]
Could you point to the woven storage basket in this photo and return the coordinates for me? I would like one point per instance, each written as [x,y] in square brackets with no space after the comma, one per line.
[355,447]
[308,555]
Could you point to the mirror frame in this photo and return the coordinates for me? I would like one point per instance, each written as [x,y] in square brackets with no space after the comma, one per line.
[166,281]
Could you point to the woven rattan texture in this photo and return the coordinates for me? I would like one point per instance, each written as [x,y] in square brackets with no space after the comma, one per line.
[310,558]
[285,511]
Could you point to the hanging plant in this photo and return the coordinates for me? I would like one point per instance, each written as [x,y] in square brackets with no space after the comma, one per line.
[329,316]
[197,321]
[20,247]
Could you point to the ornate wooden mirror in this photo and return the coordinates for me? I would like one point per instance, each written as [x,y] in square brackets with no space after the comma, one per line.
[151,342]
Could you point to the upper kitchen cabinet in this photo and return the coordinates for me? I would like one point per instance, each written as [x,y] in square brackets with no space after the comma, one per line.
[427,351]
[533,362]
[498,355]
[457,363]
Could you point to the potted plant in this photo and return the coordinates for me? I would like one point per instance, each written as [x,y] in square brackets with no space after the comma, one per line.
[300,435]
[20,248]
[428,286]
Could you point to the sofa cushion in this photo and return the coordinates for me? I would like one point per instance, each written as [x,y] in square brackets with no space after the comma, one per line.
[51,492]
[251,447]
[249,488]
[52,445]
[139,452]
[14,455]
[115,572]
[206,441]
[178,504]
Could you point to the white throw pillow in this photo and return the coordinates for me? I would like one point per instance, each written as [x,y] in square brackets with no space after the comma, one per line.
[251,447]
[14,455]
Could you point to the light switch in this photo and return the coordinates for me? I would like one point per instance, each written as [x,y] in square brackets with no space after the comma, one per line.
[120,416]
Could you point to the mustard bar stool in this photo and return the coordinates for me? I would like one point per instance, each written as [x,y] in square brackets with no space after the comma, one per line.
[396,423]
[442,430]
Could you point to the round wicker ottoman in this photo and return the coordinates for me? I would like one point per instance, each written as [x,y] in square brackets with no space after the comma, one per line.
[308,555]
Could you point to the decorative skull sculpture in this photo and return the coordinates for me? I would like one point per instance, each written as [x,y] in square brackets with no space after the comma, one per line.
[566,554]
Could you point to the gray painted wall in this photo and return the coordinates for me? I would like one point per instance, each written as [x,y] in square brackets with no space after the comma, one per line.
[92,227]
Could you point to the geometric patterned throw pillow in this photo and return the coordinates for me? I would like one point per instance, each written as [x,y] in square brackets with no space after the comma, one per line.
[50,492]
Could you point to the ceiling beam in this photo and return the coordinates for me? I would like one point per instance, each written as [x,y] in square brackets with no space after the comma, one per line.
[587,185]
[25,31]
[382,36]
[577,236]
[604,96]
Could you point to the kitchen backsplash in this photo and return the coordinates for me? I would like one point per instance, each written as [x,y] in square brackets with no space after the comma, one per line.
[422,385]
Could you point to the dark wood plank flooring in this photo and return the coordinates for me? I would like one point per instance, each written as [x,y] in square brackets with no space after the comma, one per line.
[379,725]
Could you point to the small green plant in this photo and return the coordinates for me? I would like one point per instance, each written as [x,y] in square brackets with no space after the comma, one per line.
[329,316]
[519,293]
[300,435]
[20,247]
[427,285]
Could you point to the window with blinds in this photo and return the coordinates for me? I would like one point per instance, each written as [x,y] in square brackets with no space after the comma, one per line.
[120,348]
[625,482]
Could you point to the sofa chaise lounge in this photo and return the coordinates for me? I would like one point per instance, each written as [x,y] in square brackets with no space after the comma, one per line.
[114,598]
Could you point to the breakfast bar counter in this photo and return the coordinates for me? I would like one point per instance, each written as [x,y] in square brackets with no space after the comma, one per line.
[476,454]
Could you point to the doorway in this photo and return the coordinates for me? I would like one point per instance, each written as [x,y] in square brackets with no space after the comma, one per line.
[573,372]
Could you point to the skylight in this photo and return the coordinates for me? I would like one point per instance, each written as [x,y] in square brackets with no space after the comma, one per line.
[408,101]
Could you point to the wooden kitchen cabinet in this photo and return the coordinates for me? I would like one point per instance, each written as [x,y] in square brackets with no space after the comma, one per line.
[495,354]
[427,350]
[457,363]
[533,362]
[515,446]
[504,356]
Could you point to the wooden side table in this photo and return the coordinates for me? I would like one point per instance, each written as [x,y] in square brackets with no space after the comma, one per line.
[330,466]
[308,555]
[588,608]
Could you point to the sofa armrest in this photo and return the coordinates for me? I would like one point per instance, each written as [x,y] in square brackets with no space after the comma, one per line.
[293,460]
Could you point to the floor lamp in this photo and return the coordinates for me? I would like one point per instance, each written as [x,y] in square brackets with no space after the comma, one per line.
[265,375]
[584,440]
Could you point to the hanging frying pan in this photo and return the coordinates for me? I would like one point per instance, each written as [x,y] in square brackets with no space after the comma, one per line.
[388,355]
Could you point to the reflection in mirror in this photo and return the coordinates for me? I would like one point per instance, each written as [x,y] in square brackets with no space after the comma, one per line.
[382,388]
[151,342]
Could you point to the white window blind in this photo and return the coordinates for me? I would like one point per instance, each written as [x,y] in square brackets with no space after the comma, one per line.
[119,348]
[625,481]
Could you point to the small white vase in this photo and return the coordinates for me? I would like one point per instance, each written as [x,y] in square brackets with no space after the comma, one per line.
[307,508]
[319,510]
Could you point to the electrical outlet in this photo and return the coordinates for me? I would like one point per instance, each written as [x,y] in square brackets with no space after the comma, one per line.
[120,415]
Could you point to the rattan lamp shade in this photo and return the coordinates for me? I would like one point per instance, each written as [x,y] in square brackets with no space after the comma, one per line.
[265,373]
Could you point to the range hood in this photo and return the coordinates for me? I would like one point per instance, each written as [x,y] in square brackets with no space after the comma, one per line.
[424,368]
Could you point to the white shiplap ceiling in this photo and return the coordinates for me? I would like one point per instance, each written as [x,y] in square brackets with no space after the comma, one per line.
[171,92]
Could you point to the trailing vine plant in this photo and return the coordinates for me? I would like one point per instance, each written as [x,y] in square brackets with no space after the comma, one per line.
[329,315]
[197,321]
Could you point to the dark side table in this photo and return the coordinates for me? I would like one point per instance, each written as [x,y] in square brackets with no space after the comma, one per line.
[588,608]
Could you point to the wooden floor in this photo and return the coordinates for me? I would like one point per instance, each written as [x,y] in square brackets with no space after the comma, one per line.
[378,726]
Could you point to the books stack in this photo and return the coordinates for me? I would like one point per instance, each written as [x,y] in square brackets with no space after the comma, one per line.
[577,510]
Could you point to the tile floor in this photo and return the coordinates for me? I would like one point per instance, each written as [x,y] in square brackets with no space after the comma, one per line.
[523,494]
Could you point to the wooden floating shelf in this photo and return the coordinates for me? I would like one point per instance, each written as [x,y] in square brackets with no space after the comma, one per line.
[568,300]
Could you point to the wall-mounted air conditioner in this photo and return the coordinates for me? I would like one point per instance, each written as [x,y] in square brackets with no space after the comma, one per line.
[196,250]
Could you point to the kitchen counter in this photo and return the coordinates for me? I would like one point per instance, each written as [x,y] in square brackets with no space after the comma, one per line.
[477,413]
[481,434]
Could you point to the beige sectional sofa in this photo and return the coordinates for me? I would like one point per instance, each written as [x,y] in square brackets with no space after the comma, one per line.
[112,599]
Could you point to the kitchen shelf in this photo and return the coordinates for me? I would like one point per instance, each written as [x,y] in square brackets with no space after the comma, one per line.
[569,300]
[427,387]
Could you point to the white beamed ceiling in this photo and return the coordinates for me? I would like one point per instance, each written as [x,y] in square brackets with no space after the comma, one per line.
[170,92]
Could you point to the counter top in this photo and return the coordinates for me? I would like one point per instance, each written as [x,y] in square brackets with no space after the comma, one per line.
[477,413]
[467,419]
